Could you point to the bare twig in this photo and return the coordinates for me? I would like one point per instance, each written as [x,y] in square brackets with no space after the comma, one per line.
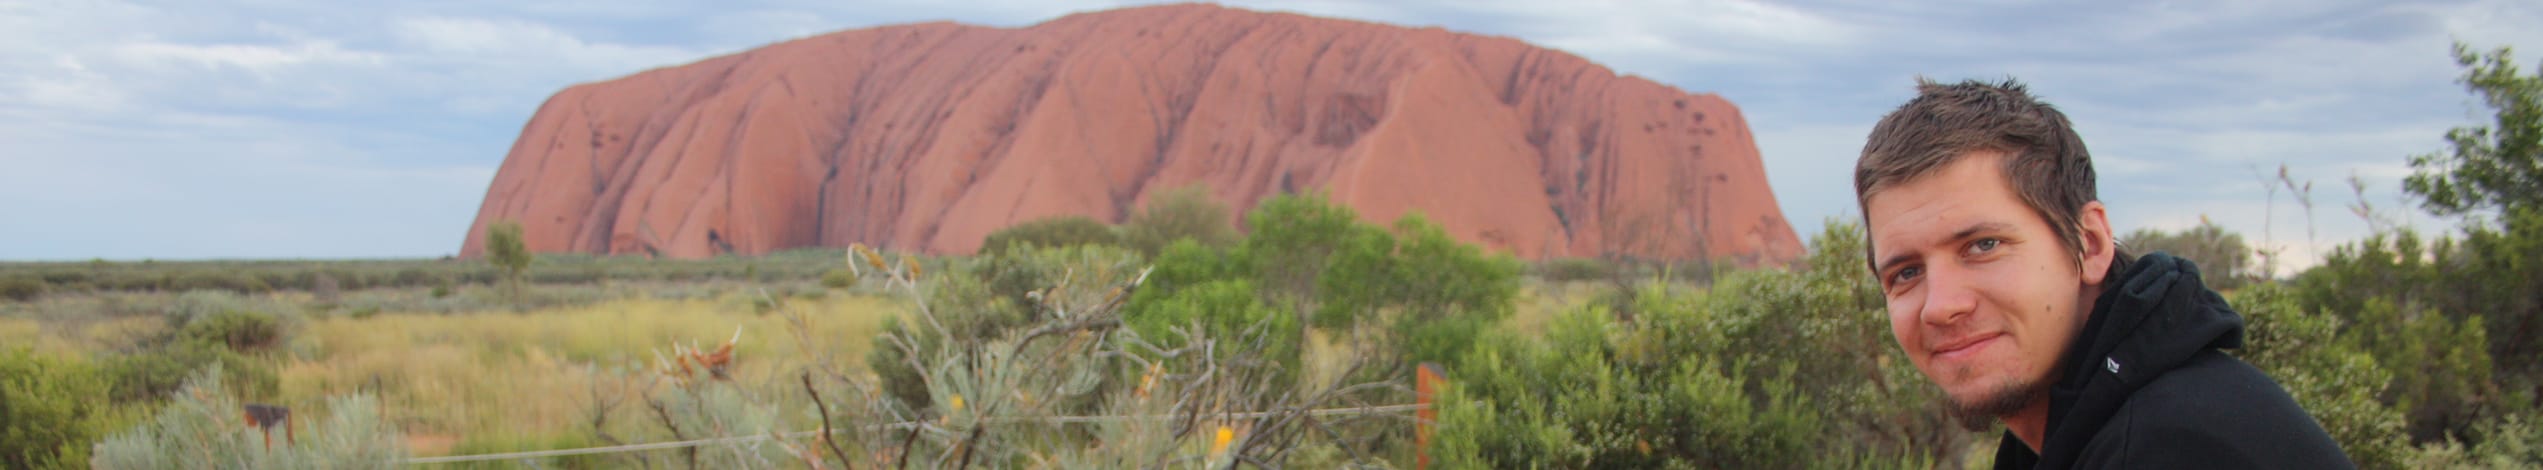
[826,438]
[665,413]
[965,446]
[909,445]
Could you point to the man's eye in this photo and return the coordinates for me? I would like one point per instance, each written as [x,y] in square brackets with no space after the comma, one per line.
[1984,245]
[1905,274]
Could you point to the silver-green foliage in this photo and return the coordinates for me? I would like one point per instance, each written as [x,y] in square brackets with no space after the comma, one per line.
[698,407]
[202,428]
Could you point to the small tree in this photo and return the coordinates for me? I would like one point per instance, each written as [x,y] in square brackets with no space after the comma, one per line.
[2224,260]
[2496,169]
[505,249]
[2497,166]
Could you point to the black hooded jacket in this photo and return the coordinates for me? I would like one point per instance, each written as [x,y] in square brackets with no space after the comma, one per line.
[2146,386]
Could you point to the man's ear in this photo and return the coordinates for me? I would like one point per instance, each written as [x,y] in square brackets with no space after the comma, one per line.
[2099,246]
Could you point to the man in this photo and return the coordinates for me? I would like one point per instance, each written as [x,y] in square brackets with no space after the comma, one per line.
[2007,289]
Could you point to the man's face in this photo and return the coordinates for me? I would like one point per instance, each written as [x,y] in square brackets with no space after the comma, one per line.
[1982,295]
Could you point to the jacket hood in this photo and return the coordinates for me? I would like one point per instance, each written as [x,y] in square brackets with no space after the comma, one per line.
[2151,318]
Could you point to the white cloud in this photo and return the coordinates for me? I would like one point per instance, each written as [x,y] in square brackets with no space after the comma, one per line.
[262,60]
[71,87]
[517,42]
[765,26]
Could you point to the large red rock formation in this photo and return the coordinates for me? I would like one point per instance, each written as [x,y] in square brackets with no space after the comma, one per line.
[930,136]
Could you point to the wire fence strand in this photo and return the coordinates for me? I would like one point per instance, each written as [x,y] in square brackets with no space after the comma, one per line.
[1350,411]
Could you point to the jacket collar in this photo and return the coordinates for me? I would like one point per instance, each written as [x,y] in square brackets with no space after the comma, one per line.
[2151,318]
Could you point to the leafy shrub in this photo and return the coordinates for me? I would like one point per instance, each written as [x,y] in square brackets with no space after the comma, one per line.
[1223,309]
[1185,213]
[1423,292]
[1789,356]
[1574,269]
[2448,305]
[238,282]
[2510,442]
[1578,401]
[200,428]
[697,406]
[206,329]
[241,331]
[21,288]
[152,374]
[1053,232]
[2335,383]
[838,279]
[325,289]
[197,304]
[2225,262]
[1016,274]
[989,297]
[49,412]
[987,394]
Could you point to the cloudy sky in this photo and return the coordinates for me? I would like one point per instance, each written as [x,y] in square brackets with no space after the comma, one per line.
[330,129]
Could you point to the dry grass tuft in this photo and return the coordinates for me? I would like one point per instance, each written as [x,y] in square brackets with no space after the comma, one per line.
[485,375]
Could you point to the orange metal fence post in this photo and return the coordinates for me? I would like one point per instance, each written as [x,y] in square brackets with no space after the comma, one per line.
[1426,384]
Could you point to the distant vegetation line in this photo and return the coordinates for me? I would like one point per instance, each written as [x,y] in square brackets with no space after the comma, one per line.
[24,281]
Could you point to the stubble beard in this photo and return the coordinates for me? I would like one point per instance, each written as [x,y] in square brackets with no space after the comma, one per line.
[1987,408]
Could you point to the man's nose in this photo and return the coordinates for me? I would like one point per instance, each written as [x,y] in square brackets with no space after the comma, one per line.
[1949,297]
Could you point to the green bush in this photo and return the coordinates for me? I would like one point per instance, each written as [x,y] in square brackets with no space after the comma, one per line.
[21,288]
[1291,245]
[1185,213]
[1574,269]
[152,374]
[1422,292]
[1053,232]
[49,411]
[1230,311]
[1016,274]
[1791,357]
[838,279]
[241,331]
[2225,262]
[238,282]
[2509,442]
[990,297]
[1443,291]
[2337,384]
[2447,305]
[206,329]
[1577,401]
[197,304]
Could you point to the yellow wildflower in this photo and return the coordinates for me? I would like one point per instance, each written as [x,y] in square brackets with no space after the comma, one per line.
[1218,444]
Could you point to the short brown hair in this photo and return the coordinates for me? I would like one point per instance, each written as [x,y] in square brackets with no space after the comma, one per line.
[2044,159]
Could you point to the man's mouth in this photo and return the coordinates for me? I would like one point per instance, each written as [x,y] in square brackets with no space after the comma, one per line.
[1959,349]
